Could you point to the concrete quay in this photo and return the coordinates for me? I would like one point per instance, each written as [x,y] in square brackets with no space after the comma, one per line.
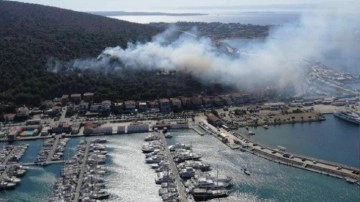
[350,174]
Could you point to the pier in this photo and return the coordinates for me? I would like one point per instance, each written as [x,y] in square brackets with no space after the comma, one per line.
[54,146]
[4,173]
[81,174]
[174,171]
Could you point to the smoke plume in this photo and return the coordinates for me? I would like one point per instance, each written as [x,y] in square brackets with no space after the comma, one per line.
[319,35]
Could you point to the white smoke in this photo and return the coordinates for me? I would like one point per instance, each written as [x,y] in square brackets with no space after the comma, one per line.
[278,61]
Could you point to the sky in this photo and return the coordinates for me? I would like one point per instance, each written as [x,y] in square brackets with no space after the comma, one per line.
[159,5]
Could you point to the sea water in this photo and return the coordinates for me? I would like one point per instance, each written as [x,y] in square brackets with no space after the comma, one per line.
[130,179]
[268,181]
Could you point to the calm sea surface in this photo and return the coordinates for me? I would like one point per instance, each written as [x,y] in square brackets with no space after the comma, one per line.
[258,18]
[130,179]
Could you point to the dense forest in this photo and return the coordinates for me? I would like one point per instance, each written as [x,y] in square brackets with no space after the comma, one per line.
[217,30]
[32,37]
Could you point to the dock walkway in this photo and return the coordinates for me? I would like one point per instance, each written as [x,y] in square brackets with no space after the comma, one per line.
[11,153]
[51,154]
[174,171]
[81,174]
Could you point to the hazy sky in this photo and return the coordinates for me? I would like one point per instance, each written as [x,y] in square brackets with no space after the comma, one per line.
[153,5]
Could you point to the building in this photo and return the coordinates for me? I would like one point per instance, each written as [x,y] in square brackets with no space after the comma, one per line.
[165,106]
[274,105]
[153,106]
[175,104]
[88,97]
[22,113]
[61,127]
[142,106]
[95,108]
[226,99]
[45,131]
[186,102]
[75,98]
[9,117]
[91,128]
[196,102]
[214,120]
[120,130]
[64,99]
[130,106]
[33,122]
[207,102]
[75,128]
[106,107]
[137,128]
[217,101]
[83,107]
[180,125]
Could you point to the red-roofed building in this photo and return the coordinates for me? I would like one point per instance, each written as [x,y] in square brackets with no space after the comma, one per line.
[75,98]
[214,120]
[164,105]
[186,102]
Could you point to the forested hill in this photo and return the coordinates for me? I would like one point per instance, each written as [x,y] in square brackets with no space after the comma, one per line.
[31,34]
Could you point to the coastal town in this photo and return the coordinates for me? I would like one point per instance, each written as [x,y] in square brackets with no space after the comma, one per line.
[229,118]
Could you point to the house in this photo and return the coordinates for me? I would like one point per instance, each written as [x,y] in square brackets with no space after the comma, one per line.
[175,104]
[217,101]
[142,106]
[186,102]
[45,131]
[47,104]
[95,108]
[226,99]
[88,97]
[9,117]
[75,128]
[207,102]
[274,105]
[130,106]
[106,107]
[83,107]
[22,113]
[196,102]
[214,120]
[165,106]
[75,98]
[64,99]
[153,106]
[61,127]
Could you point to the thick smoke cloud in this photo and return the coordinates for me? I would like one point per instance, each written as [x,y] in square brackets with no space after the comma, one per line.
[318,36]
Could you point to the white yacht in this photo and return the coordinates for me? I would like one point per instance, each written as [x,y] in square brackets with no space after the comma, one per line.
[348,116]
